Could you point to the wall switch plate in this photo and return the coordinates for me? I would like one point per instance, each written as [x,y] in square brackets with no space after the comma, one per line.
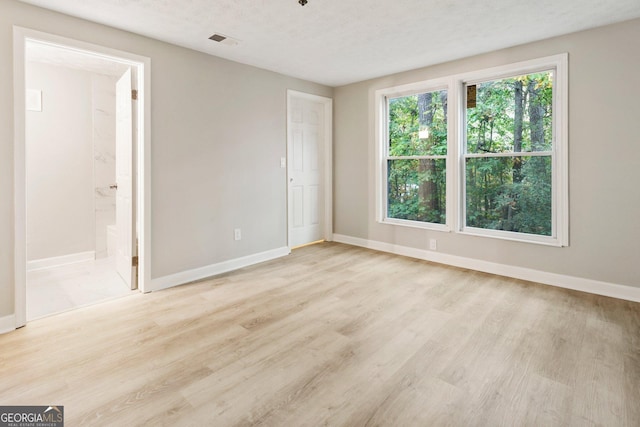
[237,234]
[283,162]
[433,244]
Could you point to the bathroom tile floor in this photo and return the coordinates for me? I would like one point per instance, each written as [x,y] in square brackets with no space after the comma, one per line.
[57,289]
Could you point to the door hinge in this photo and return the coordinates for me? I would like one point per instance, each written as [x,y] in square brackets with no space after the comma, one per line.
[134,94]
[134,261]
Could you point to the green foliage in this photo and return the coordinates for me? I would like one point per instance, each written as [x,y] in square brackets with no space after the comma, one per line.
[417,187]
[417,190]
[513,193]
[491,124]
[496,202]
[510,193]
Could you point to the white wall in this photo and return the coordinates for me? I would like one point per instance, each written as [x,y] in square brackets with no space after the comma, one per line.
[59,153]
[218,131]
[604,157]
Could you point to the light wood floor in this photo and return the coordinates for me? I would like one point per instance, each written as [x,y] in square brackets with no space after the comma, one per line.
[340,336]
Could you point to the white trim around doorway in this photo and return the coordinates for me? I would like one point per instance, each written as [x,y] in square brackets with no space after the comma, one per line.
[143,66]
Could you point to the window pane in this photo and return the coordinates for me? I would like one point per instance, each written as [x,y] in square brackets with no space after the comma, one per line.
[417,190]
[509,193]
[510,115]
[418,124]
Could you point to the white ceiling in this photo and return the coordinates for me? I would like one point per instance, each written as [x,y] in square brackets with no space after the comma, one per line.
[336,42]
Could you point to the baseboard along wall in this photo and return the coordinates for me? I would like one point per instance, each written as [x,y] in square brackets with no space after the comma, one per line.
[57,261]
[568,282]
[215,269]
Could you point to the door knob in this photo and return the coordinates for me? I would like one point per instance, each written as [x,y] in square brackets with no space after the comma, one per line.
[114,186]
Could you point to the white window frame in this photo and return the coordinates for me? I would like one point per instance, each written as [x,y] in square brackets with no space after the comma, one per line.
[382,97]
[456,139]
[559,151]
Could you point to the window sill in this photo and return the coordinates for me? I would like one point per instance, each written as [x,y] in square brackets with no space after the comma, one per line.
[514,237]
[416,224]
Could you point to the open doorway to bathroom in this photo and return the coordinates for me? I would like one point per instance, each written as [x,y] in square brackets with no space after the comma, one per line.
[80,174]
[70,143]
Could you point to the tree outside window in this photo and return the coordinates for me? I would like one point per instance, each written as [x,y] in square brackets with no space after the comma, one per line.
[497,166]
[416,161]
[508,159]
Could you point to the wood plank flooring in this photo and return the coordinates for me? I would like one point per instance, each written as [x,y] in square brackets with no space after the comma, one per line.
[338,336]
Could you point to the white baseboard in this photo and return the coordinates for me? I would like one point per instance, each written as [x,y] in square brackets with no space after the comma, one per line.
[57,261]
[623,292]
[7,324]
[215,269]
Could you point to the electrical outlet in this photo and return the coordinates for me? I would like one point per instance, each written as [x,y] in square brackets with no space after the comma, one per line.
[237,234]
[433,244]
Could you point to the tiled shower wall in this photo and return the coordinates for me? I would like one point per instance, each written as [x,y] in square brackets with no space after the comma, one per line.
[104,153]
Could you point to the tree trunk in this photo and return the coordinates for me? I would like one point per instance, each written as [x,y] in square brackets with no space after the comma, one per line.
[425,112]
[517,131]
[445,100]
[427,167]
[536,114]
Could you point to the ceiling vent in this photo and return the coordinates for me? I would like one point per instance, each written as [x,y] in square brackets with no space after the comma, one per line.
[222,39]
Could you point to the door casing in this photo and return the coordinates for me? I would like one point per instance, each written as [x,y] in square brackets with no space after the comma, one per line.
[21,36]
[125,174]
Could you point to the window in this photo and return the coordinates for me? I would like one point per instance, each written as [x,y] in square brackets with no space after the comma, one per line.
[415,157]
[504,163]
[513,152]
[509,153]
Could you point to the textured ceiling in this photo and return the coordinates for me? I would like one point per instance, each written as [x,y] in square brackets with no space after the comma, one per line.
[336,42]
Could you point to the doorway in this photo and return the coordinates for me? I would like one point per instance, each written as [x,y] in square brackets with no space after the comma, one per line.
[85,257]
[309,168]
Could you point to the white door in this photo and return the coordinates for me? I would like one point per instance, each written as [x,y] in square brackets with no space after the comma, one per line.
[125,223]
[305,170]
